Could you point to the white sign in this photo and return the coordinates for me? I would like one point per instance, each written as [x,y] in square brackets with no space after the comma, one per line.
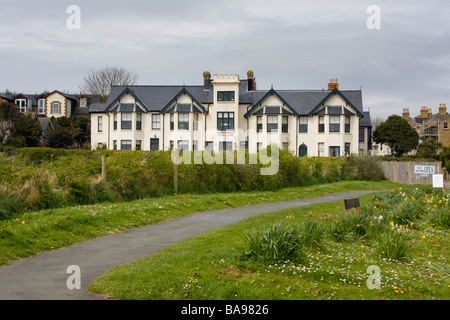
[438,180]
[424,169]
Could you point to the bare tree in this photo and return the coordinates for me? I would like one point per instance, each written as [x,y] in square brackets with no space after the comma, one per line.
[99,81]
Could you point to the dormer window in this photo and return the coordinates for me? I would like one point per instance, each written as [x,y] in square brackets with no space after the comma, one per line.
[41,106]
[22,103]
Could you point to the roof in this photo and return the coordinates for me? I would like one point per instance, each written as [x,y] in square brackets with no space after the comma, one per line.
[156,98]
[365,120]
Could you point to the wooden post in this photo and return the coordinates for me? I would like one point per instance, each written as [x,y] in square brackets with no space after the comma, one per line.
[104,168]
[175,178]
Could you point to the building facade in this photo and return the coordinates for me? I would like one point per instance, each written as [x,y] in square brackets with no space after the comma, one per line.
[431,126]
[226,113]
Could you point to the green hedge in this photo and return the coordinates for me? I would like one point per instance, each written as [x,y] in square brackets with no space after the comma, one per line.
[40,178]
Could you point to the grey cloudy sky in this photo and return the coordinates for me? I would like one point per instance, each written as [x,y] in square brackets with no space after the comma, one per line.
[290,44]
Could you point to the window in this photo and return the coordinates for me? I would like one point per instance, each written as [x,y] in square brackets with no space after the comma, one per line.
[83,103]
[55,108]
[125,123]
[115,121]
[114,144]
[125,144]
[172,121]
[321,149]
[361,134]
[225,121]
[347,149]
[272,123]
[284,124]
[225,96]
[171,144]
[347,124]
[41,106]
[154,144]
[335,151]
[100,124]
[243,145]
[285,145]
[183,121]
[22,104]
[183,145]
[334,124]
[156,121]
[259,124]
[445,125]
[321,124]
[209,146]
[138,144]
[302,150]
[195,124]
[226,146]
[303,126]
[138,121]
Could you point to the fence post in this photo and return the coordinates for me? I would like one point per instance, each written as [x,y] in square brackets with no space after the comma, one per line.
[410,173]
[104,168]
[175,178]
[395,172]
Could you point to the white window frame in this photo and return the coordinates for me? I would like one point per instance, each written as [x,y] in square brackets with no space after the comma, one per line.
[41,106]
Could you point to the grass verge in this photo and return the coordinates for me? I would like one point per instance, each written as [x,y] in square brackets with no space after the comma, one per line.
[213,266]
[27,234]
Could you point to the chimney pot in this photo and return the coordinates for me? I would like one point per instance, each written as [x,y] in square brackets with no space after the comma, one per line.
[206,80]
[251,84]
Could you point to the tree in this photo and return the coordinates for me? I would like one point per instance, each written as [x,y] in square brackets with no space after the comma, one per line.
[429,149]
[99,81]
[60,137]
[397,134]
[16,129]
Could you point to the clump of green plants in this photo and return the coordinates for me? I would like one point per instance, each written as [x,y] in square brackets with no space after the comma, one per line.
[311,233]
[278,243]
[439,217]
[392,244]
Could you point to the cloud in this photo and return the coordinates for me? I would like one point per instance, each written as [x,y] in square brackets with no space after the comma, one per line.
[290,44]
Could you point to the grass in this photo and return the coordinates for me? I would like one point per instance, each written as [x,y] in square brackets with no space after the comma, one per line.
[26,234]
[212,266]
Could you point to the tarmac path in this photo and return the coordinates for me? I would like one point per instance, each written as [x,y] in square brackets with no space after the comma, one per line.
[45,276]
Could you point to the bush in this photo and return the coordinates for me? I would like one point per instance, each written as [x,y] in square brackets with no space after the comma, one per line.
[363,168]
[276,244]
[9,206]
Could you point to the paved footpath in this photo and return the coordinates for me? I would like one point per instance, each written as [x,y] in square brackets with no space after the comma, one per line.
[44,276]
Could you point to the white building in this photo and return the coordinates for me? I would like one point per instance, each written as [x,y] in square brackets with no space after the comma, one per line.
[227,113]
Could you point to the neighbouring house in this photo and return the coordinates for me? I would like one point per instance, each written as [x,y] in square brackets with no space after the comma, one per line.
[429,125]
[227,113]
[54,104]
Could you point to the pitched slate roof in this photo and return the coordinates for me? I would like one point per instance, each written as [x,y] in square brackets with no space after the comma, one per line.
[157,97]
[304,101]
[365,121]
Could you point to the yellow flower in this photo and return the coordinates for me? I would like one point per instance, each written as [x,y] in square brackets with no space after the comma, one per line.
[423,237]
[23,222]
[391,223]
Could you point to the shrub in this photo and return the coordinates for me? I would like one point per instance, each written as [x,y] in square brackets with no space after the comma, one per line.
[9,206]
[407,211]
[279,243]
[363,168]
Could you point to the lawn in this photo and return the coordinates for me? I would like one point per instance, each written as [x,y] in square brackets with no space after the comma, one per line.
[394,247]
[29,233]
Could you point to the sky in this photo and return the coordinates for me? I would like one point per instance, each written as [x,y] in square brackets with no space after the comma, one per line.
[289,44]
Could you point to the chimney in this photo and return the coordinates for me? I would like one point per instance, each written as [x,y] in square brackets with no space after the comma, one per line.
[333,84]
[424,112]
[405,113]
[206,80]
[430,113]
[251,81]
[442,109]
